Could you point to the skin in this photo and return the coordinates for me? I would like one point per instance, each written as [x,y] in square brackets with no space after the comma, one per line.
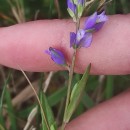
[23,46]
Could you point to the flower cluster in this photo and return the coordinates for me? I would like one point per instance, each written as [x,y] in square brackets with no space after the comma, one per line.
[75,8]
[83,37]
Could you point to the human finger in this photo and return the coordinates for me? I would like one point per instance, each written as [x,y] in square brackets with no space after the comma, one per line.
[24,45]
[110,115]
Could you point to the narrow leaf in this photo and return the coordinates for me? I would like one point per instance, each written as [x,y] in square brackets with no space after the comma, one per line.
[76,94]
[71,13]
[80,10]
[87,101]
[57,96]
[10,110]
[48,112]
[109,87]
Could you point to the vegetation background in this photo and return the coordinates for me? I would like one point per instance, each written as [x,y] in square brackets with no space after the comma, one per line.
[17,99]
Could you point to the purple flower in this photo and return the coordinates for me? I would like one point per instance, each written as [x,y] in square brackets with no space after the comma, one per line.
[56,55]
[95,21]
[81,2]
[91,21]
[81,39]
[75,8]
[71,6]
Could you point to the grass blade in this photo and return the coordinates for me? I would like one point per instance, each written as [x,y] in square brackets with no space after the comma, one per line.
[109,87]
[76,95]
[48,112]
[10,110]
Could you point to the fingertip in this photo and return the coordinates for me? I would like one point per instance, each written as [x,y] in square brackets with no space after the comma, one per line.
[110,115]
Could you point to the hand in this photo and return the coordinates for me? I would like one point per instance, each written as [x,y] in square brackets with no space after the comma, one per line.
[23,45]
[110,115]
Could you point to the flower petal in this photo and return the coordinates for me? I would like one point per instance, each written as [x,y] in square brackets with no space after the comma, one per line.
[82,2]
[91,21]
[56,55]
[101,17]
[71,6]
[86,41]
[98,26]
[80,34]
[47,52]
[72,39]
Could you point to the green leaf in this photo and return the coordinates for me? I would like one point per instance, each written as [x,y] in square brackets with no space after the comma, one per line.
[87,101]
[51,8]
[56,97]
[71,13]
[53,127]
[2,122]
[48,113]
[76,95]
[75,2]
[10,110]
[74,90]
[109,87]
[80,10]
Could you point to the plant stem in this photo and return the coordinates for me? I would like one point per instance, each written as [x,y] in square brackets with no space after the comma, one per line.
[70,77]
[42,111]
[77,25]
[71,72]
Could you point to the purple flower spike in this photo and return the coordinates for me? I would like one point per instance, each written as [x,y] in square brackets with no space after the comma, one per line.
[95,22]
[56,55]
[71,6]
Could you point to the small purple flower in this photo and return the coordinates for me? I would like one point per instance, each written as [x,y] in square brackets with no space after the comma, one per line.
[75,8]
[82,2]
[71,6]
[101,19]
[81,39]
[57,56]
[91,21]
[95,21]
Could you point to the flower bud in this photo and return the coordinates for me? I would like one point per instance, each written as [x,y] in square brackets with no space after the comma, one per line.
[57,56]
[95,21]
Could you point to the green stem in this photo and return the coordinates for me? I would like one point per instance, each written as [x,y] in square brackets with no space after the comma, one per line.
[77,25]
[71,71]
[70,78]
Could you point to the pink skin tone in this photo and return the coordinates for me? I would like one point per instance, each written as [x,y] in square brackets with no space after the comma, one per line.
[23,46]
